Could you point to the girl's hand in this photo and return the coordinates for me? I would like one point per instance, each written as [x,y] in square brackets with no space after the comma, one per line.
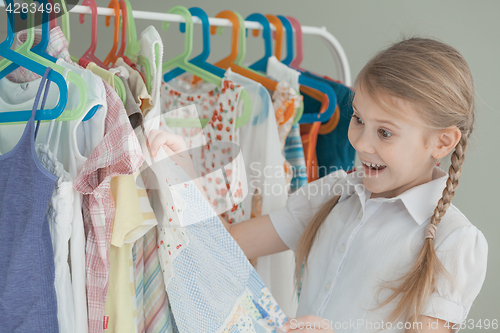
[171,143]
[174,146]
[308,324]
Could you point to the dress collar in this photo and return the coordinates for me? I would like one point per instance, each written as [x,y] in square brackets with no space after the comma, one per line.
[420,200]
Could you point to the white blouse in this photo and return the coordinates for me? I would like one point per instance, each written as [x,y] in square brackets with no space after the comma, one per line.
[364,241]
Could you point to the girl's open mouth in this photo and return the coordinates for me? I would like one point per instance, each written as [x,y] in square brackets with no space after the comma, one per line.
[372,169]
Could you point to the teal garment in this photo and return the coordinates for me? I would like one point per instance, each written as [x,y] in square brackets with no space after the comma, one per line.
[333,150]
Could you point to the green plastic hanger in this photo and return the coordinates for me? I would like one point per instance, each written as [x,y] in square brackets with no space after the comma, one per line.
[298,113]
[134,46]
[242,47]
[120,89]
[144,63]
[25,50]
[182,62]
[65,26]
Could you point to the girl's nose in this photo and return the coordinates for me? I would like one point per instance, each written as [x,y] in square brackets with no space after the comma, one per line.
[364,143]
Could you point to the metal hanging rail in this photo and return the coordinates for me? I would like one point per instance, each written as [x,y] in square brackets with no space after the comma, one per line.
[341,63]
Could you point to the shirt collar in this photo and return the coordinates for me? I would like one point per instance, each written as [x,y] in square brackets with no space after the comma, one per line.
[420,200]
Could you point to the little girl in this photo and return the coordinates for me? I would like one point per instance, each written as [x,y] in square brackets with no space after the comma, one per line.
[374,256]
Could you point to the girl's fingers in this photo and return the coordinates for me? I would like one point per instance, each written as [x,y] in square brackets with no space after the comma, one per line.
[173,142]
[153,143]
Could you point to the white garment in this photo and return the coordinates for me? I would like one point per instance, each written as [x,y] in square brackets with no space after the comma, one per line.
[72,142]
[278,71]
[59,216]
[152,45]
[259,142]
[364,241]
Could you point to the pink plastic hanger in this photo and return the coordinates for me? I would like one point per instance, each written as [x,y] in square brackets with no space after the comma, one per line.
[299,52]
[53,17]
[89,54]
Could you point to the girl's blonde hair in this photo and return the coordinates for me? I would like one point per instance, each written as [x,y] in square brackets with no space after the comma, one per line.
[435,78]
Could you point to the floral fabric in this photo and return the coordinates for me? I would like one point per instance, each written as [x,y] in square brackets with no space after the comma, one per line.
[218,157]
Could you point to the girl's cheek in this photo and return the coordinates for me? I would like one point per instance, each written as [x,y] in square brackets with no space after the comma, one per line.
[351,134]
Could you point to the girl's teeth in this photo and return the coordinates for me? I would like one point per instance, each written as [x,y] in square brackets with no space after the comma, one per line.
[371,165]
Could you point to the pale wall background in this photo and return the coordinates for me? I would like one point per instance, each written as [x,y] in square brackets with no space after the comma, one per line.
[363,28]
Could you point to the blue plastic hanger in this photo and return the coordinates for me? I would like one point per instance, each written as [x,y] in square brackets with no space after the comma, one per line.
[289,39]
[201,59]
[40,50]
[42,46]
[261,65]
[307,118]
[58,79]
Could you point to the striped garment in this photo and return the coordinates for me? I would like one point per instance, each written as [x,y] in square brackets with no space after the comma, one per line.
[294,154]
[152,309]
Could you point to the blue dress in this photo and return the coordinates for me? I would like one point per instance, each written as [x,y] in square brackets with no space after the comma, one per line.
[27,293]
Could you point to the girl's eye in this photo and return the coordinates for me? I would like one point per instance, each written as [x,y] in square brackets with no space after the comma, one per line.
[385,134]
[357,119]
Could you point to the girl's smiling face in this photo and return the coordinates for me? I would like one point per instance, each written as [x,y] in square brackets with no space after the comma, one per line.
[403,147]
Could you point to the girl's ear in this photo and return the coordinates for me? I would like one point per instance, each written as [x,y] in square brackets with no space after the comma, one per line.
[446,141]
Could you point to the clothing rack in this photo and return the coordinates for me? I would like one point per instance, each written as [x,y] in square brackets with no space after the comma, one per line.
[341,63]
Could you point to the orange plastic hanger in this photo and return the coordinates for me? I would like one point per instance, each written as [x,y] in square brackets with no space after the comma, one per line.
[111,57]
[309,135]
[229,60]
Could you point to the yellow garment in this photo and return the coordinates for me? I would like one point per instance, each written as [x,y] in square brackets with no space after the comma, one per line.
[121,296]
[129,225]
[136,84]
[101,72]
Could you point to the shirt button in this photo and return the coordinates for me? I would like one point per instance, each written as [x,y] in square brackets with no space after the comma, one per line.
[341,248]
[327,286]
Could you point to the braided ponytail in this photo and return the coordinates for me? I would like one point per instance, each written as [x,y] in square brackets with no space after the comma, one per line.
[457,159]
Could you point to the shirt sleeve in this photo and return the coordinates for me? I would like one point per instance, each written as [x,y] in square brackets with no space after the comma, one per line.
[291,220]
[464,255]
